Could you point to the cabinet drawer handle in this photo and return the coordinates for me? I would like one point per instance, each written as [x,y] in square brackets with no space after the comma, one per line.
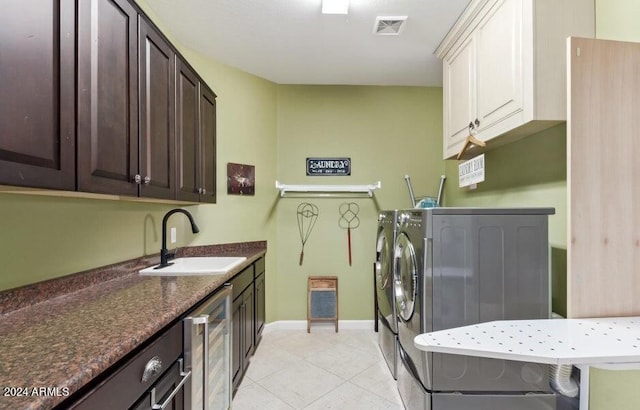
[152,368]
[158,406]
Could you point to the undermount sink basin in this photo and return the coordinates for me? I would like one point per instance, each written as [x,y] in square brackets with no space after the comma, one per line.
[198,265]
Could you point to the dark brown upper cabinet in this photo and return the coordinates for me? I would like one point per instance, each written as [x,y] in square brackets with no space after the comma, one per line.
[157,121]
[96,99]
[195,138]
[37,103]
[187,126]
[107,97]
[208,144]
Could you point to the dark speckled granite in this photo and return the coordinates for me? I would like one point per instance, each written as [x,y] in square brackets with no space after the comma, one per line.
[67,335]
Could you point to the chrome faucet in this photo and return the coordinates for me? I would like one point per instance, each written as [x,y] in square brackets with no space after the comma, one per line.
[164,253]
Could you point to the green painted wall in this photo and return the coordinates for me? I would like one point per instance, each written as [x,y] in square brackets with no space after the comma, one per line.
[616,20]
[387,132]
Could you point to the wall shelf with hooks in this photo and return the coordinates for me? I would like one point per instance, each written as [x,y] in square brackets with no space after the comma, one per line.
[326,190]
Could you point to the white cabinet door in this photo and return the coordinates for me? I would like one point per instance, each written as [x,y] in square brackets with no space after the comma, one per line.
[459,96]
[499,74]
[509,53]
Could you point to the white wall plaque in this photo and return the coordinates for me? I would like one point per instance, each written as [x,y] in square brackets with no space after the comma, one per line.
[471,172]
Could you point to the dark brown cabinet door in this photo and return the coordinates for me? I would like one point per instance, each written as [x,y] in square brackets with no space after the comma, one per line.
[37,83]
[260,308]
[248,325]
[163,389]
[196,137]
[207,144]
[188,135]
[157,101]
[237,357]
[107,97]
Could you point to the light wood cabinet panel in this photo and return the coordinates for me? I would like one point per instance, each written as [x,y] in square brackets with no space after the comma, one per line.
[603,176]
[513,54]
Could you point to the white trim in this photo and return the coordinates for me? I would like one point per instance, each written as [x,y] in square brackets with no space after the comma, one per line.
[320,190]
[302,325]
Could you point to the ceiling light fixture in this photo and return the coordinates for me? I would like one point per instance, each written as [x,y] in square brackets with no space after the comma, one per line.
[335,6]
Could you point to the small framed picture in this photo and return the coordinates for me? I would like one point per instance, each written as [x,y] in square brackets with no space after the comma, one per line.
[241,179]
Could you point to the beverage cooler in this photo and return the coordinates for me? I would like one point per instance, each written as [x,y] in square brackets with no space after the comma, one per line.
[207,344]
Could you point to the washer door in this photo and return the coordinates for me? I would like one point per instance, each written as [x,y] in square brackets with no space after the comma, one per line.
[405,284]
[384,250]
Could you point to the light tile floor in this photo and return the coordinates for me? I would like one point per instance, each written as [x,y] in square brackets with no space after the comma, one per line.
[293,369]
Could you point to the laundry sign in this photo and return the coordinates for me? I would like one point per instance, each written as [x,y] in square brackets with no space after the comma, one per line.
[329,166]
[471,172]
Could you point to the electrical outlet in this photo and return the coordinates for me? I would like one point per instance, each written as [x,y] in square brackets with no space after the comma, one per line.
[173,235]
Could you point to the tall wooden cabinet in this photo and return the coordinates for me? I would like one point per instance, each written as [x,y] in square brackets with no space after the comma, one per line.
[603,176]
[502,68]
[97,100]
[107,96]
[156,162]
[188,119]
[207,146]
[196,136]
[37,103]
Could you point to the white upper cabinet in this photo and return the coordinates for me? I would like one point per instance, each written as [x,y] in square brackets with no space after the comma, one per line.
[504,68]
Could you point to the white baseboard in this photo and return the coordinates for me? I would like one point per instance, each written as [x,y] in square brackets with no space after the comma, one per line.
[302,325]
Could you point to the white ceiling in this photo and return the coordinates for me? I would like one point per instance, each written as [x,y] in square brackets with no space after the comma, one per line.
[291,42]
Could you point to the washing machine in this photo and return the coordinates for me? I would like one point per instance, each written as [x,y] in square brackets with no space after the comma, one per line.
[460,266]
[384,278]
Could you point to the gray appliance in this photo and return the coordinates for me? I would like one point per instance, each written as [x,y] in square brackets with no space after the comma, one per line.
[460,266]
[384,276]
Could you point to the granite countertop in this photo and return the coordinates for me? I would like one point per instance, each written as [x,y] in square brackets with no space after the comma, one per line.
[60,334]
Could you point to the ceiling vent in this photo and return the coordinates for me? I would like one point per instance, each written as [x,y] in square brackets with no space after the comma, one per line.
[389,26]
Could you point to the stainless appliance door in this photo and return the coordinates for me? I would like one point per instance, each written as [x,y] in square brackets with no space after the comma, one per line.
[384,278]
[207,340]
[406,281]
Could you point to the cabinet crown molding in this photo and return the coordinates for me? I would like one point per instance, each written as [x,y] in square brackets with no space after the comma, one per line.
[462,27]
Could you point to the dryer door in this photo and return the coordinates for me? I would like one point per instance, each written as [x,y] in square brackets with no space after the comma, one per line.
[405,283]
[384,279]
[384,250]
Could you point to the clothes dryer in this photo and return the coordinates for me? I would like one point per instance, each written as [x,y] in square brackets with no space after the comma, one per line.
[460,266]
[384,278]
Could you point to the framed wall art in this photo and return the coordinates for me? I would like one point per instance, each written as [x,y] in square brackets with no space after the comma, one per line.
[241,179]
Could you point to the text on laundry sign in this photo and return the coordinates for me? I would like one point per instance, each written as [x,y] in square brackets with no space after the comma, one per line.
[328,166]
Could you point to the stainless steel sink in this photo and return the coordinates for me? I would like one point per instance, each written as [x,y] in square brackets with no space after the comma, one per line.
[198,265]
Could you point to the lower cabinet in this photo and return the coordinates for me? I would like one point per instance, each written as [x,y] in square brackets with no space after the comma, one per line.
[151,377]
[161,393]
[130,384]
[260,316]
[243,324]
